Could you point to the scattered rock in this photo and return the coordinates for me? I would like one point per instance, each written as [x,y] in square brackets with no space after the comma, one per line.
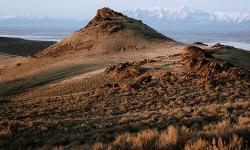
[144,61]
[142,80]
[200,43]
[125,70]
[125,87]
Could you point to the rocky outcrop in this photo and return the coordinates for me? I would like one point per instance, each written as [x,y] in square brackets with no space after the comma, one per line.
[125,70]
[201,61]
[107,20]
[193,51]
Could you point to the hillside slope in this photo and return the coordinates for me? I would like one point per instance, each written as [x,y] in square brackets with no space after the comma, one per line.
[139,91]
[108,32]
[191,100]
[21,47]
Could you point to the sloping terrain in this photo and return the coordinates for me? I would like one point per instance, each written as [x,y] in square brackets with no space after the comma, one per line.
[132,88]
[21,47]
[108,32]
[205,99]
[14,49]
[7,59]
[238,57]
[109,38]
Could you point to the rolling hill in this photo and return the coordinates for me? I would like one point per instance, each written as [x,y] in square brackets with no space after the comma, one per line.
[119,84]
[108,32]
[21,47]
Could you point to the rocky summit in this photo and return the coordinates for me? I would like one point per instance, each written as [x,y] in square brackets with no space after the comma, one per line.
[108,32]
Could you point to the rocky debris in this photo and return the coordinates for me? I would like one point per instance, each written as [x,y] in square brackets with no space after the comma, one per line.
[200,43]
[193,51]
[122,66]
[125,87]
[125,70]
[144,61]
[212,70]
[200,68]
[209,65]
[201,59]
[167,79]
[142,80]
[239,73]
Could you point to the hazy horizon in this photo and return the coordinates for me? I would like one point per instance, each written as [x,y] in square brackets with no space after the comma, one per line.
[87,9]
[224,27]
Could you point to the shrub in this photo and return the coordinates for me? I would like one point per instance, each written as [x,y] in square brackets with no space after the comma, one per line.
[145,140]
[98,146]
[168,139]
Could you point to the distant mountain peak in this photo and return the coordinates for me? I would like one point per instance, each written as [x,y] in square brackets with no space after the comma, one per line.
[188,14]
[26,16]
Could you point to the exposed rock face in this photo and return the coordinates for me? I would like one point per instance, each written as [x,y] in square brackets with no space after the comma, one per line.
[202,61]
[125,70]
[104,14]
[107,20]
[108,13]
[200,69]
[193,51]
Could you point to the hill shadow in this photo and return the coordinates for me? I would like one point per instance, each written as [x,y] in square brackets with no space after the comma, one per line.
[21,47]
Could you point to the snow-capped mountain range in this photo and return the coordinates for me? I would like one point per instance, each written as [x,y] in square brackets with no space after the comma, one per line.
[187,18]
[182,18]
[189,15]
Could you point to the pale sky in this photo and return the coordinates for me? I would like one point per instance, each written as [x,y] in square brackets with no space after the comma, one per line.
[87,8]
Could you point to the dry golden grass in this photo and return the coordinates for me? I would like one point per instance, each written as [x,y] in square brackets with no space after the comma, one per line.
[170,107]
[235,143]
[168,138]
[183,138]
